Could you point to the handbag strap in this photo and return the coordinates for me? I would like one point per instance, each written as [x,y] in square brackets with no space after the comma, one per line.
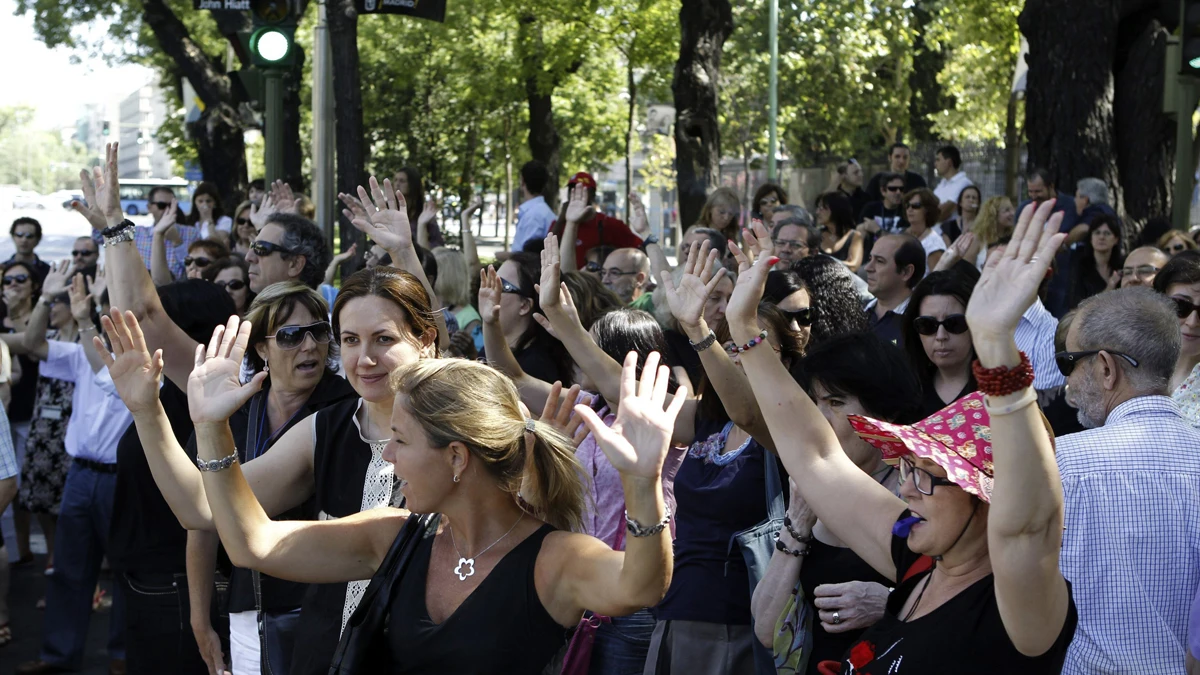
[775,503]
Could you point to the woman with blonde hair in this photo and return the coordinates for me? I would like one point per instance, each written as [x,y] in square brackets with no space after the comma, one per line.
[721,212]
[1174,242]
[995,222]
[244,232]
[453,286]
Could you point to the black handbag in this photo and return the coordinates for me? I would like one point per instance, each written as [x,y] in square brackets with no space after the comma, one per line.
[362,648]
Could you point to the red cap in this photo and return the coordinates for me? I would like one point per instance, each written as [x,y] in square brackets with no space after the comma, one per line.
[583,178]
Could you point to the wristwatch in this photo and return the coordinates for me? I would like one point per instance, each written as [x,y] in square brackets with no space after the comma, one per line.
[650,239]
[117,234]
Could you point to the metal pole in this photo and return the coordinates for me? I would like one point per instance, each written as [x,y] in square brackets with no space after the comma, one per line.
[773,138]
[1185,165]
[323,187]
[273,92]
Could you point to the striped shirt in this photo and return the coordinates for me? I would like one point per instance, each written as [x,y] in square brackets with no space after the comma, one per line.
[1131,549]
[1035,337]
[143,238]
[8,456]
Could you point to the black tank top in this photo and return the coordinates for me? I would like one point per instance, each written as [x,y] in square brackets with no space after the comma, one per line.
[500,628]
[827,564]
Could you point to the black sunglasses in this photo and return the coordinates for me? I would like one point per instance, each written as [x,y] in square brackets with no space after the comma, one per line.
[895,188]
[291,337]
[956,324]
[80,254]
[243,221]
[25,235]
[803,316]
[594,267]
[162,205]
[914,205]
[924,481]
[507,286]
[16,279]
[198,262]
[263,249]
[1184,307]
[1068,360]
[231,285]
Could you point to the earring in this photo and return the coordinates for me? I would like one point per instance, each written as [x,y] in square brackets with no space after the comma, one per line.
[266,367]
[455,478]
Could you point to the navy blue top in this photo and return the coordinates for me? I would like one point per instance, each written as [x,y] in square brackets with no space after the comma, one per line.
[717,496]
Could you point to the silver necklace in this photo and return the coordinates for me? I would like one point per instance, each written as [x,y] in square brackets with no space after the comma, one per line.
[469,563]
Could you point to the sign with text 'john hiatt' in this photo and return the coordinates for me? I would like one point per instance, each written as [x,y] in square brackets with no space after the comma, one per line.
[434,10]
[222,5]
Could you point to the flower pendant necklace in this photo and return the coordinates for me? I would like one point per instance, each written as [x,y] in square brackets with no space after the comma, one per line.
[466,566]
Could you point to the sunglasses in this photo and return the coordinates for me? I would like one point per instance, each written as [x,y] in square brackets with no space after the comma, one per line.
[1068,360]
[162,205]
[924,481]
[291,337]
[198,262]
[1176,248]
[594,267]
[1184,307]
[956,324]
[25,235]
[895,188]
[243,221]
[83,254]
[803,316]
[507,286]
[231,285]
[914,206]
[16,279]
[263,249]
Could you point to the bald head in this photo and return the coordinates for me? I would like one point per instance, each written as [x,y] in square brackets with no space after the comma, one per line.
[1142,265]
[626,273]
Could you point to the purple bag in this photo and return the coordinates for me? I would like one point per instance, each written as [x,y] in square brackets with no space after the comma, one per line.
[578,660]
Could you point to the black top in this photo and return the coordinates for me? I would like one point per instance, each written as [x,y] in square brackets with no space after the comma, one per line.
[537,361]
[890,221]
[145,536]
[1085,279]
[340,461]
[501,627]
[912,181]
[859,199]
[931,402]
[827,564]
[277,594]
[952,229]
[890,328]
[964,635]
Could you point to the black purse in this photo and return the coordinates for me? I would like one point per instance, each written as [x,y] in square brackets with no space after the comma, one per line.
[362,648]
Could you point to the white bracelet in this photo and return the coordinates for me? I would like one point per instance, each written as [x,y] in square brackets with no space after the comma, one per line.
[1029,397]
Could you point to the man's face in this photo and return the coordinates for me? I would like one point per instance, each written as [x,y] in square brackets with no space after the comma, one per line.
[622,277]
[1141,266]
[1038,190]
[893,193]
[85,253]
[160,201]
[882,277]
[791,244]
[942,164]
[899,160]
[25,238]
[256,195]
[1085,392]
[272,267]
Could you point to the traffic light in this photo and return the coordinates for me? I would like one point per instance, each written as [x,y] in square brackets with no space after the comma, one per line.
[104,129]
[273,42]
[1190,38]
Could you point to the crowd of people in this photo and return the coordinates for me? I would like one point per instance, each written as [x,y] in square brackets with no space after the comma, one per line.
[904,431]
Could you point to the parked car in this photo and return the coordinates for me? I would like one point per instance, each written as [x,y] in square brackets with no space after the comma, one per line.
[27,199]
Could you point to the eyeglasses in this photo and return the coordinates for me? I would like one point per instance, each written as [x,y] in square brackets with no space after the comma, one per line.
[263,249]
[243,221]
[197,261]
[507,286]
[231,285]
[594,268]
[1068,360]
[895,188]
[1142,272]
[924,481]
[914,206]
[803,316]
[789,244]
[615,272]
[769,201]
[1184,307]
[162,205]
[25,235]
[16,279]
[291,337]
[956,324]
[83,254]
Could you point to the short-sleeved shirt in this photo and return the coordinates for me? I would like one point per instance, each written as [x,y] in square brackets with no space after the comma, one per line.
[534,219]
[98,415]
[889,327]
[599,230]
[964,635]
[948,189]
[143,238]
[912,181]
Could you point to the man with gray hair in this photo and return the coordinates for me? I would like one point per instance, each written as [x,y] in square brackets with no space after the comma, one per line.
[1091,200]
[627,273]
[289,247]
[1131,485]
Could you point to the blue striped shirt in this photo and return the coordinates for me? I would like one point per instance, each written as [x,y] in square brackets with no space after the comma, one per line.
[1035,337]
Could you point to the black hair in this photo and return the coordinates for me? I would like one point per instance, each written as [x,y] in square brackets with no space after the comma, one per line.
[534,245]
[841,211]
[258,184]
[1183,268]
[910,252]
[207,188]
[535,175]
[36,277]
[26,220]
[951,153]
[1043,174]
[885,178]
[836,306]
[871,369]
[302,237]
[894,146]
[1153,229]
[197,306]
[235,261]
[529,272]
[625,330]
[414,201]
[160,188]
[1087,260]
[947,282]
[764,190]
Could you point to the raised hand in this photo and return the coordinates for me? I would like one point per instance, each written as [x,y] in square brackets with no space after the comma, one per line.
[701,274]
[259,213]
[638,222]
[428,213]
[168,218]
[81,300]
[57,279]
[215,390]
[285,200]
[345,255]
[577,207]
[559,412]
[956,252]
[475,205]
[1010,281]
[742,311]
[548,295]
[135,373]
[101,190]
[98,284]
[384,220]
[490,291]
[637,442]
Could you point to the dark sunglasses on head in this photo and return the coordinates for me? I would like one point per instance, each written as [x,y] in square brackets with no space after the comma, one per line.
[291,337]
[1068,360]
[198,262]
[955,324]
[231,285]
[263,249]
[895,188]
[80,254]
[16,279]
[1184,307]
[243,221]
[802,316]
[162,205]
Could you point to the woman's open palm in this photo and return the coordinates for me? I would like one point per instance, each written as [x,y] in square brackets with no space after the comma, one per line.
[215,390]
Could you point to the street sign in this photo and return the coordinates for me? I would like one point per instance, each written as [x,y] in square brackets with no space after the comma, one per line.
[434,10]
[222,5]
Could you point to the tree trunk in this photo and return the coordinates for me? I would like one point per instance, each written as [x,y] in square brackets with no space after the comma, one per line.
[544,141]
[927,94]
[704,26]
[293,152]
[629,130]
[466,183]
[347,101]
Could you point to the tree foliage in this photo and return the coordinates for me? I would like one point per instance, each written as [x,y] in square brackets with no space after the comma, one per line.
[36,159]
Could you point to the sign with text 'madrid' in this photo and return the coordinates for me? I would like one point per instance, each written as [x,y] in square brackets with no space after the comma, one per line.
[434,10]
[222,5]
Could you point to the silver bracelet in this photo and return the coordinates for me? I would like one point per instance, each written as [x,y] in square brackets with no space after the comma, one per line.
[216,464]
[636,529]
[125,234]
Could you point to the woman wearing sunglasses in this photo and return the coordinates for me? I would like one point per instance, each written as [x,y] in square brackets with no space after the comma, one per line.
[833,303]
[921,212]
[972,544]
[938,339]
[244,232]
[1179,280]
[232,274]
[535,349]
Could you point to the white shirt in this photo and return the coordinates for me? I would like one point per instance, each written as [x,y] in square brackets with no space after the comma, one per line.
[932,242]
[224,224]
[949,188]
[98,415]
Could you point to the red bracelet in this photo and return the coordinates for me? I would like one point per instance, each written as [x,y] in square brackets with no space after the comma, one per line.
[1003,381]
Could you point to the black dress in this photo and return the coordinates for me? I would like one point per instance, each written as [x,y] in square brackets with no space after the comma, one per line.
[501,627]
[351,476]
[827,564]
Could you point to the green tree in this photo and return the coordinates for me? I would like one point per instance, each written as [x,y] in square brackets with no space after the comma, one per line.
[36,159]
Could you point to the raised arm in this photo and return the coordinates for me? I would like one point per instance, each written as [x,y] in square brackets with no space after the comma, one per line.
[336,262]
[33,340]
[499,355]
[468,234]
[640,225]
[1025,520]
[858,510]
[81,311]
[160,270]
[427,216]
[593,576]
[576,211]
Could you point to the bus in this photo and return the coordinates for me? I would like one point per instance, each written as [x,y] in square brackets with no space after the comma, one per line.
[135,193]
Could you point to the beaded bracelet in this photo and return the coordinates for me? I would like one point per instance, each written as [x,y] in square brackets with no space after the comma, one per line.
[787,524]
[782,547]
[754,342]
[1003,381]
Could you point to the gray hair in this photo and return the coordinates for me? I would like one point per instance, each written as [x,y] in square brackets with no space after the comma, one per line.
[302,237]
[1136,321]
[1094,189]
[797,211]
